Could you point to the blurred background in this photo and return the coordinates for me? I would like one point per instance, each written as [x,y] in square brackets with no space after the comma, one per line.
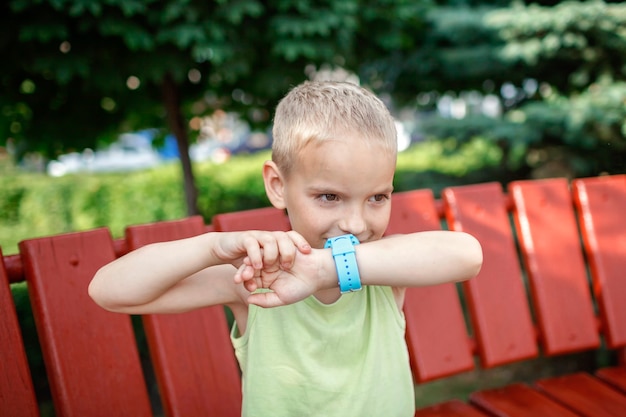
[119,112]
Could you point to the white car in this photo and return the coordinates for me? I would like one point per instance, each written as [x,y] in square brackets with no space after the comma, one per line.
[132,151]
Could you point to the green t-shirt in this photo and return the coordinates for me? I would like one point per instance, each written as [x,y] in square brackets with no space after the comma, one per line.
[310,359]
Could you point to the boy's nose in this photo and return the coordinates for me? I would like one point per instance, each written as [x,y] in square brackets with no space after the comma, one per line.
[353,222]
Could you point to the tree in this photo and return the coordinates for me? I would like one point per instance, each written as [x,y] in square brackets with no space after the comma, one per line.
[577,52]
[79,71]
[559,70]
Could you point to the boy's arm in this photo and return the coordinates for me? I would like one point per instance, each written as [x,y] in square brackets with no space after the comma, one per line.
[416,259]
[185,274]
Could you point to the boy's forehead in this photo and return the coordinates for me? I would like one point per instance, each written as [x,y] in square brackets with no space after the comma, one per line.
[344,161]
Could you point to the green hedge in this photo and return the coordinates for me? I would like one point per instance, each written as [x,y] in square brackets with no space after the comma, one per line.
[33,205]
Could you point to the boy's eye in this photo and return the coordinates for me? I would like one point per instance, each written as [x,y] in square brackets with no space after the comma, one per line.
[329,197]
[380,197]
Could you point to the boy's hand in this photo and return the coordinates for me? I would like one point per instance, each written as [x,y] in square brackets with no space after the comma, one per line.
[259,249]
[286,285]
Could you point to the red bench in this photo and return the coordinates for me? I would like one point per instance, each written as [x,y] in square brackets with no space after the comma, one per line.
[552,284]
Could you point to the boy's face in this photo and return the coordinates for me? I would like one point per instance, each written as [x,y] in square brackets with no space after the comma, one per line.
[336,187]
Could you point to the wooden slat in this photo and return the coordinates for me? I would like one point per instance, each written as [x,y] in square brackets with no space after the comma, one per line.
[194,361]
[163,231]
[434,353]
[549,239]
[496,297]
[14,270]
[601,204]
[585,394]
[518,400]
[453,408]
[17,395]
[266,218]
[90,354]
[615,376]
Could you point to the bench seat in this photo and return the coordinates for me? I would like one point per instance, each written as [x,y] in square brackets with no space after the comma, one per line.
[551,285]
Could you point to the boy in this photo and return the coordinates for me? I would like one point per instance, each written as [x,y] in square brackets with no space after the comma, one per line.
[326,348]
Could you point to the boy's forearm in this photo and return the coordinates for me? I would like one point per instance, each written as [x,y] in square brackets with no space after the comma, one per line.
[416,259]
[144,274]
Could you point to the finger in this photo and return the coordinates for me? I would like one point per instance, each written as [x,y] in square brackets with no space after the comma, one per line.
[270,249]
[265,300]
[254,252]
[238,277]
[287,251]
[300,242]
[248,262]
[247,272]
[251,285]
[247,276]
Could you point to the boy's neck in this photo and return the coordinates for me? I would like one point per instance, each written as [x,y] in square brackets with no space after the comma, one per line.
[328,296]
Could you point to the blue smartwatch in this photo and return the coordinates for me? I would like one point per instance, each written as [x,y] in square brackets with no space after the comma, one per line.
[344,255]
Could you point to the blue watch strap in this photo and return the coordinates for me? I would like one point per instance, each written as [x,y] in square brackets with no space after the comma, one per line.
[344,255]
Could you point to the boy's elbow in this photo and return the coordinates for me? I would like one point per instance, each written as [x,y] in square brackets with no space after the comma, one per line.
[95,292]
[472,257]
[98,293]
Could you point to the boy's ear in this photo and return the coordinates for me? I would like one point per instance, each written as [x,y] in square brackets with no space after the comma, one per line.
[274,184]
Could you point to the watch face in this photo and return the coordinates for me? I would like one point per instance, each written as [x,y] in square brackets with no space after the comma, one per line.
[330,242]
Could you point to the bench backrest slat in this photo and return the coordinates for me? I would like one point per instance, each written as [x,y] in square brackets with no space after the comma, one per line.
[601,204]
[91,354]
[194,362]
[550,245]
[17,395]
[496,297]
[265,218]
[436,333]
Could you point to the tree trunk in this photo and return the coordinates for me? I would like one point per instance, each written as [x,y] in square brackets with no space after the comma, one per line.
[177,125]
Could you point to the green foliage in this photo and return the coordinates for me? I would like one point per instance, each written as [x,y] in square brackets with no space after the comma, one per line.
[78,56]
[67,62]
[236,185]
[437,164]
[492,129]
[41,205]
[575,51]
[590,128]
[36,205]
[449,157]
[570,45]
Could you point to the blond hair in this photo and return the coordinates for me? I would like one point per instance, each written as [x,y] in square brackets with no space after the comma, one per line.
[322,110]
